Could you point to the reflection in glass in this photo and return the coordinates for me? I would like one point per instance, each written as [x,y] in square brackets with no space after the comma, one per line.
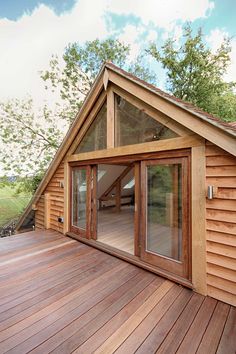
[79,194]
[134,126]
[96,136]
[164,210]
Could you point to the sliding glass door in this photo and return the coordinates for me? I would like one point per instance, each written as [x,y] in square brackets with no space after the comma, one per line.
[81,200]
[165,218]
[145,214]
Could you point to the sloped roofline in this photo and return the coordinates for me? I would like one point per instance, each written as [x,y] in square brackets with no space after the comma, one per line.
[227,127]
[57,157]
[71,134]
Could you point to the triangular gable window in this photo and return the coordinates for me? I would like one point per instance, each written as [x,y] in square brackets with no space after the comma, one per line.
[133,126]
[96,136]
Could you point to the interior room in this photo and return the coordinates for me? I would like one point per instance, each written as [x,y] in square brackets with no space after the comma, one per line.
[115,196]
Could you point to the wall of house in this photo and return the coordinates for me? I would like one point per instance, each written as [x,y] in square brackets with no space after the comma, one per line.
[54,195]
[221,224]
[220,220]
[39,214]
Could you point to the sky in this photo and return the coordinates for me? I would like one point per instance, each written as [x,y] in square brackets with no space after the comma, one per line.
[31,31]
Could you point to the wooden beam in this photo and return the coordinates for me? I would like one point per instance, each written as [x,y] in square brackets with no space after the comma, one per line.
[137,206]
[155,114]
[47,210]
[198,164]
[68,140]
[153,146]
[105,79]
[180,115]
[89,120]
[117,180]
[118,195]
[110,119]
[66,197]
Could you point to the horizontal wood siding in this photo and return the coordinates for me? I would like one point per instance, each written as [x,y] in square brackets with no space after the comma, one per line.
[221,224]
[56,192]
[39,214]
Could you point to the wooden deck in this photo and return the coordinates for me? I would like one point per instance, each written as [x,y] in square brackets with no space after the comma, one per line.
[58,295]
[116,229]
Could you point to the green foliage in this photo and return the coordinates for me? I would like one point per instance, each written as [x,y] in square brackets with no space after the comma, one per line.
[29,139]
[12,203]
[196,74]
[28,184]
[81,66]
[139,69]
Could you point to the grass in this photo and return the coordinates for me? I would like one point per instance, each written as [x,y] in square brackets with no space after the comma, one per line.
[11,205]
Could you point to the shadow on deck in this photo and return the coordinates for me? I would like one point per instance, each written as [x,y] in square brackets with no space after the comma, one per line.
[59,295]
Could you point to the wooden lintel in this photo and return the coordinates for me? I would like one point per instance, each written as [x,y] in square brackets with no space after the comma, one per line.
[154,146]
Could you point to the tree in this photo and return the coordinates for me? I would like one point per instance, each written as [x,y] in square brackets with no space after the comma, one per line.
[196,74]
[30,138]
[81,66]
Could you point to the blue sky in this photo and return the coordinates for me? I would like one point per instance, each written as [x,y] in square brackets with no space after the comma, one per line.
[13,9]
[32,30]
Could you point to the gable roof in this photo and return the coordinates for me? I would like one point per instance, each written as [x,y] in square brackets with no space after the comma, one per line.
[229,127]
[100,83]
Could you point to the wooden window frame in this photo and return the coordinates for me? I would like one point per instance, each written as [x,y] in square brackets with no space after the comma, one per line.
[77,230]
[180,268]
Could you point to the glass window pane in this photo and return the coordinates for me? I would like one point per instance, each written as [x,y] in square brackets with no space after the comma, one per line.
[79,196]
[96,136]
[164,210]
[134,126]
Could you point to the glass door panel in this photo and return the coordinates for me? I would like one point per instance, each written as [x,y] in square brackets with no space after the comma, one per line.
[80,217]
[165,230]
[164,210]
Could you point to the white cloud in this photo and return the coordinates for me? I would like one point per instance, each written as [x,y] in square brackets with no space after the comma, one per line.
[152,36]
[27,44]
[162,13]
[130,36]
[215,39]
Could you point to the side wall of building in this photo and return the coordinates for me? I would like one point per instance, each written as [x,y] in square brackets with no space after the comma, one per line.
[221,224]
[220,220]
[53,201]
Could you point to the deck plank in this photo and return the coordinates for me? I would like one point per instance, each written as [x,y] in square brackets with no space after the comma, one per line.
[64,327]
[211,338]
[180,328]
[161,328]
[59,295]
[96,340]
[227,343]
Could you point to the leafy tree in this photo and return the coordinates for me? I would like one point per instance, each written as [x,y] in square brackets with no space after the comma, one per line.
[81,66]
[196,74]
[29,139]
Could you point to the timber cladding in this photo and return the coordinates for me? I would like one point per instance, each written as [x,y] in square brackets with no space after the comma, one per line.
[221,224]
[39,214]
[50,206]
[213,222]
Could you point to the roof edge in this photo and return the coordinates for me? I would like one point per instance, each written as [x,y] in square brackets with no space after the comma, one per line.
[166,96]
[38,191]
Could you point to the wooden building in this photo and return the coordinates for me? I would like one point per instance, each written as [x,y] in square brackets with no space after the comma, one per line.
[149,178]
